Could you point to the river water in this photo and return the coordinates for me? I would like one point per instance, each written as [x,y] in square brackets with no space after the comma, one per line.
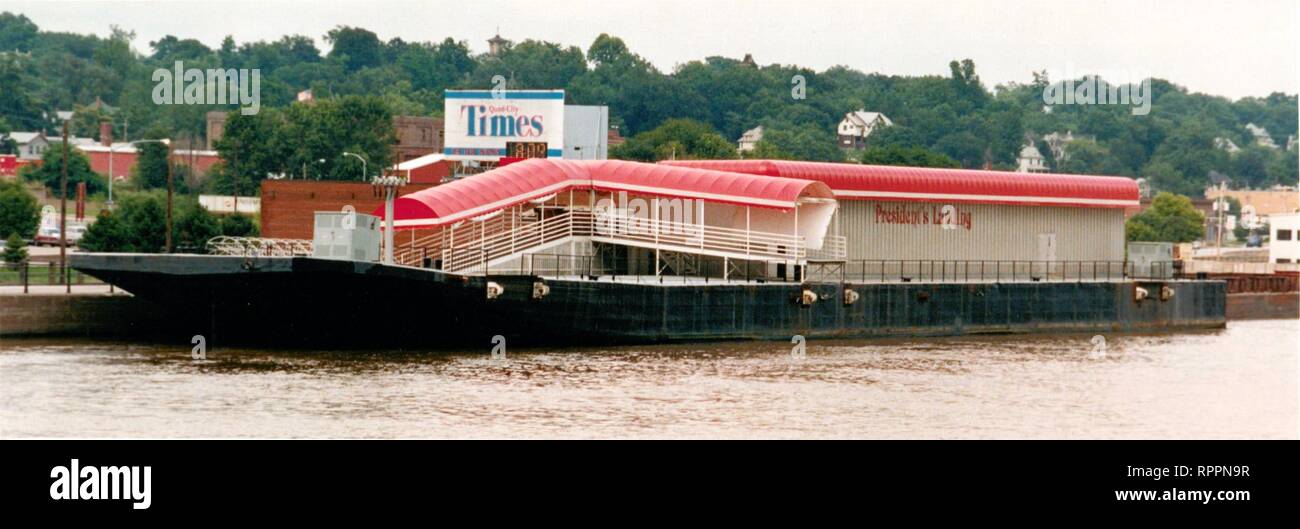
[1240,382]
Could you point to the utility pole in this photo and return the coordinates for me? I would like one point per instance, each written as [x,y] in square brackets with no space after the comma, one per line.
[169,197]
[1218,232]
[63,211]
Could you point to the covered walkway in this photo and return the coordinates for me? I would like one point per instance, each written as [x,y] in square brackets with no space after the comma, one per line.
[490,220]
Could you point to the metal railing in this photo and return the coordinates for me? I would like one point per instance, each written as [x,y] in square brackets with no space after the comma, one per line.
[896,270]
[28,274]
[497,241]
[597,267]
[259,247]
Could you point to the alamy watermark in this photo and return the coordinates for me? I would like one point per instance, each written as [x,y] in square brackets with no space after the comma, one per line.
[214,86]
[1111,87]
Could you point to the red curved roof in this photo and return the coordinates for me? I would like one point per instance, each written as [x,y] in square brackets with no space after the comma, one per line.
[530,179]
[878,182]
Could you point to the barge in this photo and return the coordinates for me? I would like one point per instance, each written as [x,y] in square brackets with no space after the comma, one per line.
[569,252]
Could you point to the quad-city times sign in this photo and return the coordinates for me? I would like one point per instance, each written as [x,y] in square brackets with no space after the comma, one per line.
[486,125]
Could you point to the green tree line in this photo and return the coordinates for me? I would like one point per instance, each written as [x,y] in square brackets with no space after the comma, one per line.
[955,117]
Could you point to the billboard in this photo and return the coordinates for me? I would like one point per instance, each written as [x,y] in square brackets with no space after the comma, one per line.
[487,125]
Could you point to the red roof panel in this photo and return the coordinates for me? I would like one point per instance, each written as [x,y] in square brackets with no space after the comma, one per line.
[878,182]
[530,179]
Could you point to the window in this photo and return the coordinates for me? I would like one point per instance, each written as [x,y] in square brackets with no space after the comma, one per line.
[1283,261]
[1282,235]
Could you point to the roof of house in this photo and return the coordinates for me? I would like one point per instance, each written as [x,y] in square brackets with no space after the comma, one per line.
[23,138]
[540,177]
[752,135]
[864,118]
[1030,151]
[416,163]
[924,184]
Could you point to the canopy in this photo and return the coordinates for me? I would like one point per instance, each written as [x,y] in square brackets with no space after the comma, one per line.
[530,179]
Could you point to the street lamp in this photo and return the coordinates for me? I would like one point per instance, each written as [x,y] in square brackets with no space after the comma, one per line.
[363,164]
[304,169]
[111,176]
[64,116]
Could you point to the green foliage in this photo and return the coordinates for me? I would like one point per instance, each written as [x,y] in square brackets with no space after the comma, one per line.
[680,139]
[954,115]
[238,225]
[15,249]
[908,156]
[50,172]
[194,225]
[150,170]
[1170,218]
[294,140]
[138,225]
[19,211]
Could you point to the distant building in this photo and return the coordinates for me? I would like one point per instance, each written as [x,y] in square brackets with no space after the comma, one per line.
[615,139]
[748,61]
[416,137]
[30,145]
[1030,160]
[496,45]
[1226,144]
[1056,143]
[750,139]
[427,169]
[586,132]
[857,126]
[1290,142]
[1263,202]
[216,127]
[1262,138]
[1284,238]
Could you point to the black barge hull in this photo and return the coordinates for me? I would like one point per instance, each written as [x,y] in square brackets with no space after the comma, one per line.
[329,303]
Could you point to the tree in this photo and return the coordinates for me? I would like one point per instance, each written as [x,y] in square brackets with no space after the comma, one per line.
[238,225]
[17,32]
[15,249]
[7,145]
[106,234]
[1170,218]
[356,47]
[19,211]
[804,142]
[1085,156]
[194,226]
[51,170]
[151,167]
[138,225]
[914,156]
[676,139]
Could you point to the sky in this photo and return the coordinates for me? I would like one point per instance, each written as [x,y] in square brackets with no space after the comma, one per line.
[1228,48]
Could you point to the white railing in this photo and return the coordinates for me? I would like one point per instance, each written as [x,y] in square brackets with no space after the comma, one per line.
[834,248]
[259,247]
[477,247]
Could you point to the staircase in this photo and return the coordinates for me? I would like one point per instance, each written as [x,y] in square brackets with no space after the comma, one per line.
[475,247]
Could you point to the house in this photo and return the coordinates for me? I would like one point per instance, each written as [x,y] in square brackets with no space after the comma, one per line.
[496,45]
[1030,160]
[1056,143]
[1226,144]
[427,169]
[417,136]
[1284,241]
[858,125]
[750,139]
[30,145]
[1261,136]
